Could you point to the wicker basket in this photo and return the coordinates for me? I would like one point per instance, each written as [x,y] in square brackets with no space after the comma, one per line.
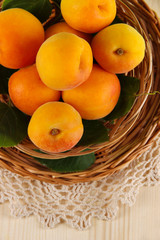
[131,134]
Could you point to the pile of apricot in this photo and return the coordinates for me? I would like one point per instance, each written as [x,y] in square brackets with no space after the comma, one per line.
[56,82]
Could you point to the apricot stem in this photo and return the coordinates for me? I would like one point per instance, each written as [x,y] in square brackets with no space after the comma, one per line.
[149,94]
[54,131]
[119,51]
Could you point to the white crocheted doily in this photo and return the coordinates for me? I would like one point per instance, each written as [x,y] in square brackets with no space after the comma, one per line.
[79,203]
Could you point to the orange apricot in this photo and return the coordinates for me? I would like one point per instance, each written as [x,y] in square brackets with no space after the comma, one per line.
[88,16]
[97,96]
[55,127]
[64,27]
[21,35]
[64,61]
[118,48]
[28,92]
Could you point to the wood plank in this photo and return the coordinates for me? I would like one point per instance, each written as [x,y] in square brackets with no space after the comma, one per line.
[139,222]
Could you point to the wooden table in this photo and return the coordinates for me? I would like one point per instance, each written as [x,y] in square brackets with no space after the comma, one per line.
[140,222]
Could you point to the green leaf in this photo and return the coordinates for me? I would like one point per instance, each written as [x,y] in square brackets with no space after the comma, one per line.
[116,20]
[39,8]
[5,74]
[129,88]
[94,133]
[69,164]
[58,15]
[57,1]
[13,126]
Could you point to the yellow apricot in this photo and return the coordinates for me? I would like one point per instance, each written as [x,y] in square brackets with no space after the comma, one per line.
[88,16]
[97,96]
[64,27]
[21,35]
[118,48]
[28,92]
[55,127]
[64,61]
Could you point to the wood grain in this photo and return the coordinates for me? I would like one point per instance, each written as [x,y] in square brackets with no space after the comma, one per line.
[139,222]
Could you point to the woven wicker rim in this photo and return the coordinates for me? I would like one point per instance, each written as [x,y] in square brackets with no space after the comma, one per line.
[131,134]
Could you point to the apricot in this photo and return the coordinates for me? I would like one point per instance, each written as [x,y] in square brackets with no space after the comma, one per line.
[21,35]
[55,127]
[64,27]
[88,16]
[28,92]
[64,61]
[118,48]
[96,97]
